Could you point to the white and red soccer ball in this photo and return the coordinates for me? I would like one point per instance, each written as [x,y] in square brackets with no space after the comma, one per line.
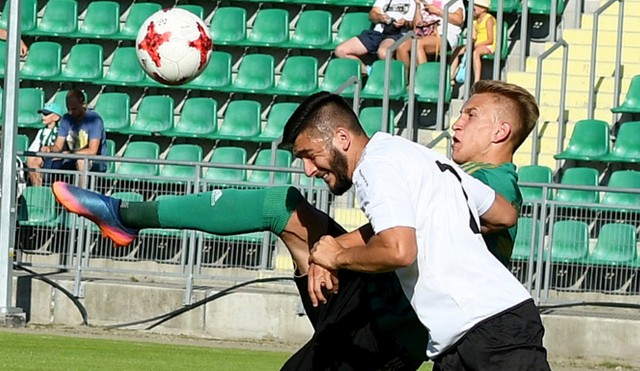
[173,46]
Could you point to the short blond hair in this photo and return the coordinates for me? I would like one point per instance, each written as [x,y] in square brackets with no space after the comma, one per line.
[523,105]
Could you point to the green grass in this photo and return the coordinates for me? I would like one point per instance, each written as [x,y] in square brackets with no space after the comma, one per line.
[45,352]
[27,351]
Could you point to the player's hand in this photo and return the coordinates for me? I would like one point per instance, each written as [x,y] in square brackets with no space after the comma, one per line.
[319,278]
[400,23]
[325,251]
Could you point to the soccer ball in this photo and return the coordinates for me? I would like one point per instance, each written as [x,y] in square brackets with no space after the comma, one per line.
[173,46]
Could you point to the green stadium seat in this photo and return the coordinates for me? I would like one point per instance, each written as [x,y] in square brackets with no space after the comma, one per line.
[578,176]
[3,57]
[371,120]
[129,196]
[114,108]
[30,100]
[299,76]
[22,144]
[84,64]
[522,245]
[428,82]
[41,207]
[181,152]
[508,6]
[111,152]
[139,150]
[28,15]
[631,102]
[283,158]
[616,245]
[277,118]
[102,20]
[352,24]
[534,174]
[229,25]
[626,147]
[570,241]
[374,88]
[124,69]
[60,18]
[270,28]
[138,13]
[312,31]
[198,119]
[337,72]
[241,121]
[216,76]
[589,141]
[255,74]
[543,7]
[155,115]
[230,156]
[193,8]
[43,61]
[617,201]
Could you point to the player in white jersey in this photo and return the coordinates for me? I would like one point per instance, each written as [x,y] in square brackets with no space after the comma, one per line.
[425,218]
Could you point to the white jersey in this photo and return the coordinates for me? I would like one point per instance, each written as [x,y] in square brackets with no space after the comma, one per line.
[455,282]
[396,9]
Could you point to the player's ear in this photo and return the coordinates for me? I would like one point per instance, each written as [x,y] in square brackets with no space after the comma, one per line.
[342,138]
[502,132]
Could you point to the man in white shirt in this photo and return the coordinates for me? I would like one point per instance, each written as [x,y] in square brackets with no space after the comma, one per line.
[425,216]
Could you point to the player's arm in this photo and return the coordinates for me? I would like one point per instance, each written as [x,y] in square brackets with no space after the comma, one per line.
[499,216]
[357,238]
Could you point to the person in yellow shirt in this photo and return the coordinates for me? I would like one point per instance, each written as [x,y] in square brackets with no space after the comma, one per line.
[484,36]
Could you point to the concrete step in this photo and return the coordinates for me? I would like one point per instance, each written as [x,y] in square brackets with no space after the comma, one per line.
[350,218]
[585,37]
[582,52]
[608,21]
[553,65]
[631,8]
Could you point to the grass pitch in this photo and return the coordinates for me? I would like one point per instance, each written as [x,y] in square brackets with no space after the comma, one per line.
[28,351]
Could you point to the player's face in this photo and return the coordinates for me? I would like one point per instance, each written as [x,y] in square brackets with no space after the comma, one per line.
[323,160]
[474,130]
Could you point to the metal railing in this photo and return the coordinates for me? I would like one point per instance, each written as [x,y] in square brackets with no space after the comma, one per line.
[563,94]
[593,60]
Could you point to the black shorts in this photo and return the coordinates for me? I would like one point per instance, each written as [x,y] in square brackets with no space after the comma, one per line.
[360,328]
[372,39]
[511,340]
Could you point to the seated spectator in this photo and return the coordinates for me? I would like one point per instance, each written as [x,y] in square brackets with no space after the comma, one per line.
[392,20]
[484,40]
[80,132]
[427,23]
[45,137]
[24,49]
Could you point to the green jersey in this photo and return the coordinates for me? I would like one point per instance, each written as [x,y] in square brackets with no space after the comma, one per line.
[504,180]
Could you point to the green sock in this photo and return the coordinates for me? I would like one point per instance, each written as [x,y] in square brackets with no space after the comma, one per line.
[224,212]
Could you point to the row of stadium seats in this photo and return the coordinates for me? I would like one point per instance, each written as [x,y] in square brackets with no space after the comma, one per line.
[256,73]
[197,117]
[590,141]
[581,176]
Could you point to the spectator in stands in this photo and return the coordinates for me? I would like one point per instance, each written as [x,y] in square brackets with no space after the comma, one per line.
[371,338]
[24,49]
[494,122]
[484,40]
[392,19]
[45,137]
[80,132]
[429,16]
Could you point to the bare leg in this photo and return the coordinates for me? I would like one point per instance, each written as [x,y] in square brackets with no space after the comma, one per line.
[384,47]
[353,49]
[403,53]
[35,163]
[478,52]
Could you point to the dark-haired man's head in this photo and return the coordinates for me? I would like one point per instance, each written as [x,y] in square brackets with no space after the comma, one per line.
[76,104]
[326,135]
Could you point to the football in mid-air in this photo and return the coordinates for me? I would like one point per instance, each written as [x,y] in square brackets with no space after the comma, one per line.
[173,46]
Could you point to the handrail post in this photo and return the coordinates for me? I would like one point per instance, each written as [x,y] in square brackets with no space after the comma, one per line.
[594,46]
[443,67]
[553,16]
[617,73]
[562,122]
[469,52]
[387,83]
[541,58]
[524,24]
[356,92]
[497,55]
